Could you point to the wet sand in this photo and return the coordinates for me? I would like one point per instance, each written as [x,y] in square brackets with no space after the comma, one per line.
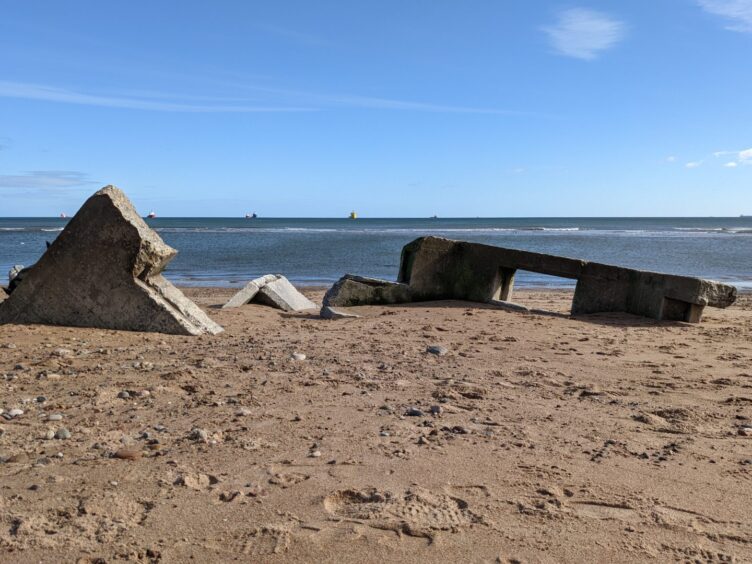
[535,438]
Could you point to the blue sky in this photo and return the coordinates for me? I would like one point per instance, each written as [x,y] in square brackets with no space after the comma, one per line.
[392,108]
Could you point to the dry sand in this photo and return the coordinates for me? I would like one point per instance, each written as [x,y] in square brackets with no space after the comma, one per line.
[605,438]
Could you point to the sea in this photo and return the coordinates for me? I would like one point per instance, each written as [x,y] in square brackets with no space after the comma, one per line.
[317,252]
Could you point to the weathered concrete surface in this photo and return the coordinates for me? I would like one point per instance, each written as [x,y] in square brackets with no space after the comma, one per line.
[328,312]
[433,268]
[249,291]
[353,290]
[280,293]
[103,271]
[273,290]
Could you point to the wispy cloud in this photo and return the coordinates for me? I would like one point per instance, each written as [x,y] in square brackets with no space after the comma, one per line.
[52,94]
[738,12]
[584,34]
[743,157]
[671,159]
[286,101]
[36,179]
[390,104]
[693,164]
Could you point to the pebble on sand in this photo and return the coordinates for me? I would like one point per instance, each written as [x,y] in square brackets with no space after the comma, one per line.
[438,350]
[298,356]
[62,433]
[128,453]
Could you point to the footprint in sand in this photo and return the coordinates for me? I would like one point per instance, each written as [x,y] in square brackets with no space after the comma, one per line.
[606,511]
[286,480]
[261,541]
[676,518]
[416,513]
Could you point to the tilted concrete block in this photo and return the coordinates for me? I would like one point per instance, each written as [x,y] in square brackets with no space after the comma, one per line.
[104,271]
[249,291]
[281,294]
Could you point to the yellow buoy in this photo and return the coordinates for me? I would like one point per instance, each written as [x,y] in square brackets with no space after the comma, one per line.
[353,215]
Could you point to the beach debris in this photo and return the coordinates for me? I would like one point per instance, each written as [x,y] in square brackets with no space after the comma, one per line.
[273,290]
[122,288]
[434,268]
[297,356]
[328,312]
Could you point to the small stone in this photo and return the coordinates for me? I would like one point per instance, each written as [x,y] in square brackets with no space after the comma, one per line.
[745,431]
[49,435]
[243,411]
[128,453]
[438,350]
[298,356]
[124,395]
[113,483]
[436,410]
[15,412]
[144,394]
[197,434]
[413,412]
[63,434]
[41,399]
[422,440]
[62,352]
[55,417]
[384,434]
[315,454]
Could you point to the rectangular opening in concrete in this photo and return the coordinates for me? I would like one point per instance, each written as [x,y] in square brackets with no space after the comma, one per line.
[503,284]
[676,310]
[533,290]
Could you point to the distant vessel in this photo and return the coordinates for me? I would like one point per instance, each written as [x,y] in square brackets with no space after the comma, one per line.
[251,215]
[64,216]
[745,215]
[353,215]
[151,215]
[434,217]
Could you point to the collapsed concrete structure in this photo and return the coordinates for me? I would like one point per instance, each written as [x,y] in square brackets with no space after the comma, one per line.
[103,271]
[433,268]
[274,290]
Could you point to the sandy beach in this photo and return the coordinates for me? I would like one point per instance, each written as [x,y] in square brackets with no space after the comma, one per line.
[535,438]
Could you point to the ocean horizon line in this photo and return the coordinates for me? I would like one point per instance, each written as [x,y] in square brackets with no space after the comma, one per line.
[410,218]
